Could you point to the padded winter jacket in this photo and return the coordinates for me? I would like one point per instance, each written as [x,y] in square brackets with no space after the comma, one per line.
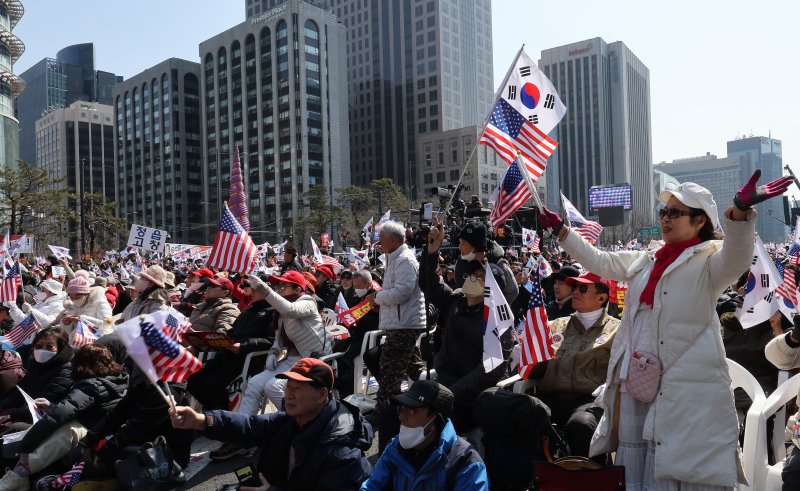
[50,380]
[402,305]
[329,451]
[453,465]
[88,402]
[214,315]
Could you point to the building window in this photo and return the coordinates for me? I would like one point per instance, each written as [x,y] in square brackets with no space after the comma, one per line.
[454,174]
[440,176]
[428,179]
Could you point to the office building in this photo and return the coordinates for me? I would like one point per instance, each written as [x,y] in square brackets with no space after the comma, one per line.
[413,68]
[157,128]
[58,82]
[76,146]
[274,86]
[443,155]
[11,86]
[255,8]
[605,137]
[765,153]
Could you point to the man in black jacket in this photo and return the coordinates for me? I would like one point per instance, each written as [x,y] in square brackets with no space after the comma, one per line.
[326,290]
[290,262]
[253,330]
[316,443]
[362,287]
[561,306]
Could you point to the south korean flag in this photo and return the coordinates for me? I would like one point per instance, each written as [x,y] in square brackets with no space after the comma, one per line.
[531,93]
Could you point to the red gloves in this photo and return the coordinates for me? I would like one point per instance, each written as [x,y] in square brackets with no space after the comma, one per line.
[550,219]
[750,195]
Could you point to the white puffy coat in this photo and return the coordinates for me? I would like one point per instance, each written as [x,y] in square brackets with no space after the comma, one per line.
[96,311]
[45,312]
[693,419]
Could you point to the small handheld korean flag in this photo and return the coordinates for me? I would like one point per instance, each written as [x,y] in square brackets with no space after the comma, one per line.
[763,278]
[317,252]
[497,317]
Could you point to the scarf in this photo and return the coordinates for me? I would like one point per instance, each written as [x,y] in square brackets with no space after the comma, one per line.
[285,342]
[664,257]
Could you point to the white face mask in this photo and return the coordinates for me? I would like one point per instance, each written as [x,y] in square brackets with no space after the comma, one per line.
[472,288]
[43,355]
[411,437]
[360,291]
[40,297]
[468,257]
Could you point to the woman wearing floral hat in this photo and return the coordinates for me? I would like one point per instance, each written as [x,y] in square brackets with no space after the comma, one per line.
[677,430]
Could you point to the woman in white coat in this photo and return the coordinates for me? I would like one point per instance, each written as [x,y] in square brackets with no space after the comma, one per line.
[686,438]
[49,304]
[87,303]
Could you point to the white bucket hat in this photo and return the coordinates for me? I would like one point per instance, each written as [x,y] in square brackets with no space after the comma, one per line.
[52,286]
[694,196]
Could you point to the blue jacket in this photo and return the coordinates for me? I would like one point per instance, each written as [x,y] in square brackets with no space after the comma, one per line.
[467,470]
[329,451]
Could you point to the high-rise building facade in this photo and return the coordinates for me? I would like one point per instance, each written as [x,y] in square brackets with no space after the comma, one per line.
[275,87]
[11,86]
[413,68]
[765,153]
[157,127]
[605,137]
[76,146]
[255,8]
[58,82]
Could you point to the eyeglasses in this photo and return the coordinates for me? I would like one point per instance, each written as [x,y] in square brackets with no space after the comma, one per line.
[245,285]
[583,288]
[675,213]
[282,287]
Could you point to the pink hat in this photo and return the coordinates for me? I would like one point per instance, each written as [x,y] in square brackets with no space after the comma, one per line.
[78,285]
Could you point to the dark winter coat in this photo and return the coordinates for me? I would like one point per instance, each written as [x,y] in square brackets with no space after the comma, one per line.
[459,364]
[746,347]
[328,293]
[329,451]
[555,311]
[140,417]
[293,265]
[50,380]
[88,402]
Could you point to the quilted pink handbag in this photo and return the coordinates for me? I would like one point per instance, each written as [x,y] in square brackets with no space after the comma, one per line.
[644,376]
[645,371]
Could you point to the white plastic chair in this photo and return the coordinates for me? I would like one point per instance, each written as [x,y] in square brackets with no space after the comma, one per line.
[328,317]
[741,378]
[371,339]
[768,477]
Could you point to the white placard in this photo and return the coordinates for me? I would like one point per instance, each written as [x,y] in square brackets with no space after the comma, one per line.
[60,252]
[146,238]
[58,271]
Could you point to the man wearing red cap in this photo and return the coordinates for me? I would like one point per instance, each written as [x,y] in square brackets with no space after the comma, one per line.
[582,342]
[324,288]
[317,442]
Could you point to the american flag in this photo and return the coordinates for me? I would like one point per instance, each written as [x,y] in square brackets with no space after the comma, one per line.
[512,193]
[84,334]
[536,343]
[788,288]
[587,229]
[332,261]
[23,332]
[238,200]
[70,477]
[531,240]
[233,250]
[508,132]
[10,280]
[176,325]
[171,360]
[794,253]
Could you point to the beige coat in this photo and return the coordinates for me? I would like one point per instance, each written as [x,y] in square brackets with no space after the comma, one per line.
[581,361]
[783,356]
[692,420]
[214,315]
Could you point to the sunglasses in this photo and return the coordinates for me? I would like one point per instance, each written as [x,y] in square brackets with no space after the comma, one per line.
[583,288]
[245,285]
[675,213]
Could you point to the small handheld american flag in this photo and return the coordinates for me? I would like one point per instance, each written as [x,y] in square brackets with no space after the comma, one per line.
[233,250]
[84,334]
[535,338]
[70,477]
[173,363]
[22,333]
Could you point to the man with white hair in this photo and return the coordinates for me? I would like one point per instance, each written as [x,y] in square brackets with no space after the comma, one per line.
[49,304]
[402,316]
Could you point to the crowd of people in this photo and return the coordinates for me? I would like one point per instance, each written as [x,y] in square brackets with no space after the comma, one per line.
[679,316]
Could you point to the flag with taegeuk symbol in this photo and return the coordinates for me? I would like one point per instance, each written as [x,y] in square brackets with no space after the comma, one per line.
[158,356]
[233,250]
[526,109]
[497,319]
[84,334]
[535,336]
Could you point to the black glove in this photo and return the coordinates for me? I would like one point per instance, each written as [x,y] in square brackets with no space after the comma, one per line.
[793,336]
[81,453]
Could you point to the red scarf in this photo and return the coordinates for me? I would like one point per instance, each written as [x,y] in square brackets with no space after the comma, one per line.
[664,257]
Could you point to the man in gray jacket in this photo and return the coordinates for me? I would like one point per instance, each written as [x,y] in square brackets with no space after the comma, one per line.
[402,316]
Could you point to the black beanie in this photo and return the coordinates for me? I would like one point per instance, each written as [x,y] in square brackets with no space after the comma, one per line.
[475,234]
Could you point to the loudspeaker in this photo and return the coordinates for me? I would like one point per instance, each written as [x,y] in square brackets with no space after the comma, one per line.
[613,215]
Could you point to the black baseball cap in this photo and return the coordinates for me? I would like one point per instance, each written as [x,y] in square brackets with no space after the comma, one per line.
[566,272]
[427,393]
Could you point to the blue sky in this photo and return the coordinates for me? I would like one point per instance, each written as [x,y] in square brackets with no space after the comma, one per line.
[718,69]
